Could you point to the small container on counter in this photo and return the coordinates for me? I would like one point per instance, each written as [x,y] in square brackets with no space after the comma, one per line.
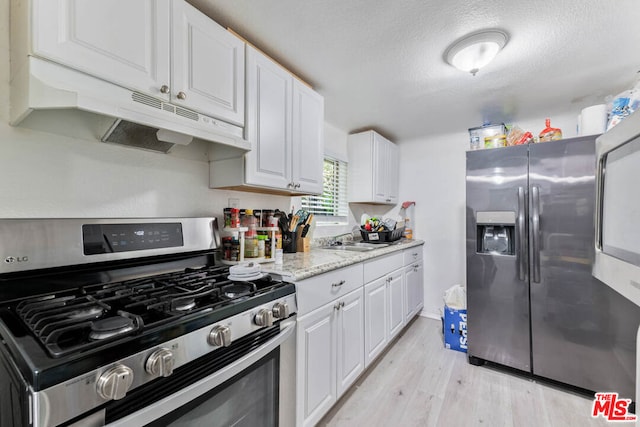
[268,219]
[261,245]
[235,218]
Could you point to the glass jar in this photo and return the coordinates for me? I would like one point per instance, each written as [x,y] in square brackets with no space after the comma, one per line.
[250,247]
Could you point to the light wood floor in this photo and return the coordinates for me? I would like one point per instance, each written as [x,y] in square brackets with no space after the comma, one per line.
[420,383]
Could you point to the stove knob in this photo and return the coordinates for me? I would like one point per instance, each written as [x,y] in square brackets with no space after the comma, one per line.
[264,317]
[281,310]
[220,336]
[114,383]
[160,363]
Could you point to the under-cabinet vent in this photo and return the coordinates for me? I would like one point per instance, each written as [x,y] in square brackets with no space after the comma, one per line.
[160,105]
[187,114]
[135,135]
[146,100]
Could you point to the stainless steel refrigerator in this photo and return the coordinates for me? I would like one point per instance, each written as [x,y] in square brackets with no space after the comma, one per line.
[532,303]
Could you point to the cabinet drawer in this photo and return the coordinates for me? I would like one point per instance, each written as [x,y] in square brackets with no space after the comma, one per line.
[382,265]
[412,255]
[319,290]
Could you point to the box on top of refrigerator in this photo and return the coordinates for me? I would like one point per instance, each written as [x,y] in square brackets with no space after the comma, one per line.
[478,134]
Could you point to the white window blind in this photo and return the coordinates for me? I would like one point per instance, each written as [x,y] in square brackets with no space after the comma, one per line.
[331,205]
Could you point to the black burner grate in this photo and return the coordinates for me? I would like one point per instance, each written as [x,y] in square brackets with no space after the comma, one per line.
[74,321]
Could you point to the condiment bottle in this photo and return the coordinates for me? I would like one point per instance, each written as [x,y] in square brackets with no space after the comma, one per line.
[549,133]
[261,245]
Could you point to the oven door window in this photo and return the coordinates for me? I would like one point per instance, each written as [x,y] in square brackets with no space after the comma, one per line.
[248,399]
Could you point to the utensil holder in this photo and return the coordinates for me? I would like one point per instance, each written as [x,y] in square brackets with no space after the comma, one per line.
[289,242]
[303,243]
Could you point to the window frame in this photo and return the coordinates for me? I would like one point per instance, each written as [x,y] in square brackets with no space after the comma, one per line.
[343,205]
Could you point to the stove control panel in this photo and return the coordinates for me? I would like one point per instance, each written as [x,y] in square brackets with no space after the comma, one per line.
[160,363]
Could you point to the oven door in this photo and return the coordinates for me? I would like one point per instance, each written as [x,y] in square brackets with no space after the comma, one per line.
[257,388]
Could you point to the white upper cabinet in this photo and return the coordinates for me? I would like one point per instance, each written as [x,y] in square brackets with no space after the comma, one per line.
[130,49]
[269,105]
[285,126]
[165,49]
[208,65]
[373,169]
[308,139]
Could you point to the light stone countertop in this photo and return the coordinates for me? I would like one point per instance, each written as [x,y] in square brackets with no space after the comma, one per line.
[302,265]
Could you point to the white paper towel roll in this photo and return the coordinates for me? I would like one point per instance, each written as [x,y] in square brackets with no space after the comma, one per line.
[593,120]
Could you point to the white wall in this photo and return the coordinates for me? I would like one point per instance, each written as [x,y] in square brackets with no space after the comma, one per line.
[432,173]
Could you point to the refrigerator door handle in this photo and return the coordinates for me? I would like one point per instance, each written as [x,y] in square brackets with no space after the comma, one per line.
[522,249]
[535,232]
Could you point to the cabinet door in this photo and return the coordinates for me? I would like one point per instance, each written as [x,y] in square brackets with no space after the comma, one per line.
[380,160]
[120,41]
[308,139]
[413,278]
[395,300]
[207,69]
[268,125]
[350,336]
[375,319]
[393,173]
[316,371]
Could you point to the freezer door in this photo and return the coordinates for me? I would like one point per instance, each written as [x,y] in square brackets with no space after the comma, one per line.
[497,280]
[583,332]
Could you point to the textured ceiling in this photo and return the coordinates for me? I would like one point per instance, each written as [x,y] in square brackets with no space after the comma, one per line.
[379,64]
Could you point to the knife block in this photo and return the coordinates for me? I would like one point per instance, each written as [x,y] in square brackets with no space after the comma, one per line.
[303,244]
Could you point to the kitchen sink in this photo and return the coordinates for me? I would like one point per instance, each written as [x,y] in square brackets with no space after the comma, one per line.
[355,246]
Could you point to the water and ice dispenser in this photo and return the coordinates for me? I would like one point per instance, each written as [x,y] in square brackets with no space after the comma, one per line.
[496,232]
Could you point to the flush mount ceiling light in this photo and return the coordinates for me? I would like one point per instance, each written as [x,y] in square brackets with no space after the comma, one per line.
[474,51]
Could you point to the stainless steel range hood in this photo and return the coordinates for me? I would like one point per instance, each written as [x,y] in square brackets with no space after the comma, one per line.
[49,97]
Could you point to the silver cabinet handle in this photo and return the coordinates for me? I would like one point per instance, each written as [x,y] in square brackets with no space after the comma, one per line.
[340,283]
[341,304]
[164,89]
[296,186]
[415,254]
[522,248]
[182,95]
[535,234]
[336,306]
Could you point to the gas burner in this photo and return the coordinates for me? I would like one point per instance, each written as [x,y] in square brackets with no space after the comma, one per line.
[184,304]
[110,326]
[237,290]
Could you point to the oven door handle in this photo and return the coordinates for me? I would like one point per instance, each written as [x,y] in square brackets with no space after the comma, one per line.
[184,396]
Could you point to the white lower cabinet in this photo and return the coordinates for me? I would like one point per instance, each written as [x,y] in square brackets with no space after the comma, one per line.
[413,282]
[346,318]
[384,312]
[330,356]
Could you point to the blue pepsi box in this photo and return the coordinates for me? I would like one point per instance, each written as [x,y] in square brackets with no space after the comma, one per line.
[455,329]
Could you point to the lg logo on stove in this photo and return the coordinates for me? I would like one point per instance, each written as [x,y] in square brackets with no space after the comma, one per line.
[12,259]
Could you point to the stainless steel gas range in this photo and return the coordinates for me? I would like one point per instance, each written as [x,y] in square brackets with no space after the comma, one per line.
[132,322]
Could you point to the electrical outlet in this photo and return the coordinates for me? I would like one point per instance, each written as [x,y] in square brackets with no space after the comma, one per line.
[234,203]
